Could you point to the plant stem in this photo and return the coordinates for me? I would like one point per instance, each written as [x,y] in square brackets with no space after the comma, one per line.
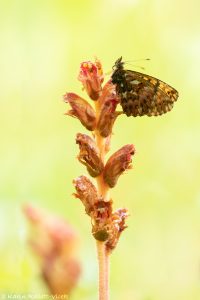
[103,260]
[107,273]
[103,189]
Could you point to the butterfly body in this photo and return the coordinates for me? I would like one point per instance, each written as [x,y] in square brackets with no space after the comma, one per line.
[141,94]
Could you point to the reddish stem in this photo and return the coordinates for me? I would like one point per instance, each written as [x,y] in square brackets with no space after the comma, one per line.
[103,260]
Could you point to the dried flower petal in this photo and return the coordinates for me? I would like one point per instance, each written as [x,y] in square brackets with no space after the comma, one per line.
[102,211]
[101,215]
[117,164]
[108,92]
[81,109]
[108,103]
[91,76]
[86,192]
[107,117]
[89,154]
[116,228]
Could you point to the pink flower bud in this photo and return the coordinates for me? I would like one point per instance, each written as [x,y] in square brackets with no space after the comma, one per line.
[86,192]
[91,76]
[89,154]
[117,164]
[81,110]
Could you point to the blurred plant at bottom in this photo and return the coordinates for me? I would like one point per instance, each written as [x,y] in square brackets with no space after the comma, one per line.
[55,243]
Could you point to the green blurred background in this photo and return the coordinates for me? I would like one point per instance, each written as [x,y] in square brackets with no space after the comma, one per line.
[42,45]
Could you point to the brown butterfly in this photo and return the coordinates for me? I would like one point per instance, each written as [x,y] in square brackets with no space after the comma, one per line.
[141,94]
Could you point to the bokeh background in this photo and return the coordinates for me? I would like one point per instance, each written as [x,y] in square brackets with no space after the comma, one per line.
[42,45]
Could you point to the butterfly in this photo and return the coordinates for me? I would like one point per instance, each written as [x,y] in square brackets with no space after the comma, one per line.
[140,94]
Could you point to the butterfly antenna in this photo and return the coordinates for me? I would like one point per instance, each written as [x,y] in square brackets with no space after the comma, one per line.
[140,67]
[136,66]
[140,59]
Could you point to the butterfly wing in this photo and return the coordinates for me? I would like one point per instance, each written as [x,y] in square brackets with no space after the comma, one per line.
[141,94]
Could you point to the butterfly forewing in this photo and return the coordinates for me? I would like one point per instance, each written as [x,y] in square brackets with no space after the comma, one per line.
[141,94]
